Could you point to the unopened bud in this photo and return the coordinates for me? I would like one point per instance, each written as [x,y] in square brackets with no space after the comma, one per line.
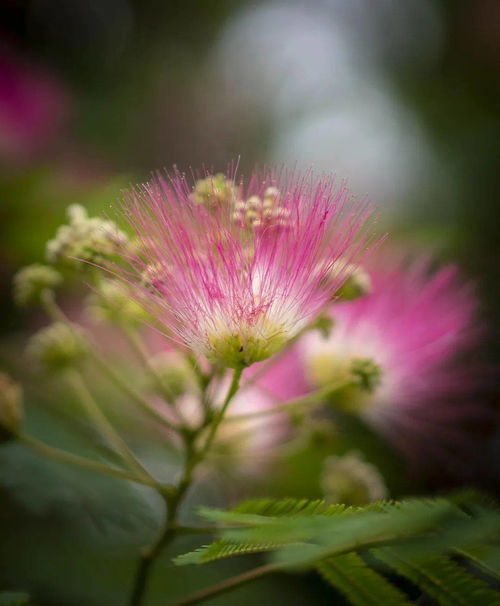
[113,303]
[351,480]
[85,238]
[57,347]
[358,284]
[31,281]
[324,323]
[214,190]
[173,374]
[11,407]
[356,378]
[356,281]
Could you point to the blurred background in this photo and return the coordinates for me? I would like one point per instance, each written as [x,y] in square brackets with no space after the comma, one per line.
[399,97]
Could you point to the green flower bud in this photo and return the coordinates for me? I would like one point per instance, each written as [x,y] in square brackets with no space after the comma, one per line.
[113,303]
[360,376]
[351,480]
[57,347]
[85,238]
[31,281]
[11,407]
[173,373]
[358,284]
[324,323]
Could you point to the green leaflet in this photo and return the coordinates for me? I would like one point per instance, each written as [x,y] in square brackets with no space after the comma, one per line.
[361,585]
[219,550]
[290,507]
[442,579]
[484,557]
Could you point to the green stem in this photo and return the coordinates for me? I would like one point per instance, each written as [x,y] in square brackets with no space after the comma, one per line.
[104,427]
[220,415]
[56,313]
[79,461]
[171,528]
[310,398]
[228,584]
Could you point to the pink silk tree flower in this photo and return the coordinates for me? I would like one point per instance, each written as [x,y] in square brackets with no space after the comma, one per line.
[408,338]
[234,271]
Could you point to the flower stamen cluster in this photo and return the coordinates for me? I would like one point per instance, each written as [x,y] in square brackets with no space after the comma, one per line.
[220,278]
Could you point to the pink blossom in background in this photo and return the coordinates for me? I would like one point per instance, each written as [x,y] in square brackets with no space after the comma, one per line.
[33,108]
[282,378]
[416,326]
[234,274]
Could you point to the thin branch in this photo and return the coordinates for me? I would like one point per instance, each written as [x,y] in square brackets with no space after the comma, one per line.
[221,413]
[310,398]
[104,427]
[228,584]
[56,313]
[79,461]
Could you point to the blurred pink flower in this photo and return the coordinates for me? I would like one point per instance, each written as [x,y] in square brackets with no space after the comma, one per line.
[233,272]
[33,106]
[416,326]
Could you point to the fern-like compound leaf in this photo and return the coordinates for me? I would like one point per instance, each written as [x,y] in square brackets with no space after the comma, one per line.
[361,585]
[441,578]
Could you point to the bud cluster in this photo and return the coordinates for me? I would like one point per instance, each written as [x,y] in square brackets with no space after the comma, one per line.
[352,480]
[57,347]
[112,302]
[358,284]
[259,212]
[173,374]
[31,281]
[85,238]
[214,190]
